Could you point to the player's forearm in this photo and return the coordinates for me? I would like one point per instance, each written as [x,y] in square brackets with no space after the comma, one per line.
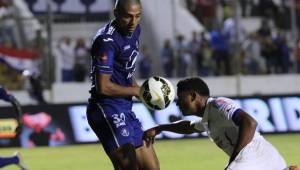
[116,90]
[182,127]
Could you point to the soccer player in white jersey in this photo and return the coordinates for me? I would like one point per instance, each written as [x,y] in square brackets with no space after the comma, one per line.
[227,125]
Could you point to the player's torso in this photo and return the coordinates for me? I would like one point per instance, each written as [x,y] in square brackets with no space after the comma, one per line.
[126,51]
[124,64]
[222,131]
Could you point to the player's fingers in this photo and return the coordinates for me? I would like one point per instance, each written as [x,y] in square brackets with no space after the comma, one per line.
[148,141]
[152,140]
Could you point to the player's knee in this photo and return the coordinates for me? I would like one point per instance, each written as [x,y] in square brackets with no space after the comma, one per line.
[154,165]
[124,157]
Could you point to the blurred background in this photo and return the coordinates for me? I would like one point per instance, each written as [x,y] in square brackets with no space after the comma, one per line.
[218,39]
[248,50]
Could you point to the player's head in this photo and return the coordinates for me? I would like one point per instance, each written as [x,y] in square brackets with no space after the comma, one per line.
[192,94]
[128,14]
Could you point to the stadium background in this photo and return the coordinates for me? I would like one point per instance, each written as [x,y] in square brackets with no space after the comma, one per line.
[34,36]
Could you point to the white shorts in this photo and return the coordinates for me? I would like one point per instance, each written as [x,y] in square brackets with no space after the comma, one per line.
[259,154]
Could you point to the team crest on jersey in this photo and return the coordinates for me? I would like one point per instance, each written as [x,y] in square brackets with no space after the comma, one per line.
[124,132]
[219,103]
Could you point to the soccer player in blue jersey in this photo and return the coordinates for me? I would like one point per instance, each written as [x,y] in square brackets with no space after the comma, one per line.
[114,54]
[16,158]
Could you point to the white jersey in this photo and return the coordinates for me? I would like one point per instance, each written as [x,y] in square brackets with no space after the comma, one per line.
[217,122]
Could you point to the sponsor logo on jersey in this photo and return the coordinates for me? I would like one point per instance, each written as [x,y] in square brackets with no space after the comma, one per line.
[219,103]
[126,47]
[104,58]
[107,39]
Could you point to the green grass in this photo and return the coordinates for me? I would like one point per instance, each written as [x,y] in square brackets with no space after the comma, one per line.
[187,154]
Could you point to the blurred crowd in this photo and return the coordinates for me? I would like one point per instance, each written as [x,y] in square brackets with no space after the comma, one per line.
[74,57]
[216,51]
[220,51]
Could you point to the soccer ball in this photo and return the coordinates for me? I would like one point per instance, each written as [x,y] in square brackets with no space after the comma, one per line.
[157,93]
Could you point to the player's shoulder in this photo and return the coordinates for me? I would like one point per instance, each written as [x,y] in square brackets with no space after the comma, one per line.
[106,34]
[220,102]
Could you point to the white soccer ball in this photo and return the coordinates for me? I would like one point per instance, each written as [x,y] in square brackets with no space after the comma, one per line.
[157,93]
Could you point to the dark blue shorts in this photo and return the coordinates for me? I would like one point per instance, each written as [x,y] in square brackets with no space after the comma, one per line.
[114,127]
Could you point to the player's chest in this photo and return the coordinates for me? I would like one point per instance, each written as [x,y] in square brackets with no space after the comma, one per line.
[128,54]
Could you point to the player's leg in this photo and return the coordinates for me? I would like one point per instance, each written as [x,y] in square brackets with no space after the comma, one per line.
[147,158]
[115,134]
[5,161]
[146,155]
[15,159]
[124,158]
[258,154]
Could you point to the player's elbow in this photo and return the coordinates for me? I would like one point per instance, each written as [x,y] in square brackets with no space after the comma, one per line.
[252,123]
[104,89]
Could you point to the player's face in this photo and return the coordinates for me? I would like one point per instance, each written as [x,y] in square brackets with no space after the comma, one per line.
[187,103]
[129,18]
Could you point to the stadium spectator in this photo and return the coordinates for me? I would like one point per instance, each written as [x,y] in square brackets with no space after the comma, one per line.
[67,56]
[283,52]
[109,112]
[253,62]
[227,125]
[145,63]
[167,58]
[298,56]
[38,44]
[265,29]
[220,50]
[194,46]
[205,63]
[183,57]
[81,60]
[7,24]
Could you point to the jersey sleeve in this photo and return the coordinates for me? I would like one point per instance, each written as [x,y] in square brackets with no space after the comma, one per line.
[227,107]
[103,52]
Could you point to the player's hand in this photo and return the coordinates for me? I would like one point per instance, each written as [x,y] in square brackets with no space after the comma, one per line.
[149,136]
[137,91]
[293,167]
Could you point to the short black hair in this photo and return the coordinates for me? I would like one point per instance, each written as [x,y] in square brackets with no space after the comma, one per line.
[193,84]
[121,4]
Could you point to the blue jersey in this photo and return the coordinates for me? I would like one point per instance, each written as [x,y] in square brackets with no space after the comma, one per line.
[115,54]
[4,95]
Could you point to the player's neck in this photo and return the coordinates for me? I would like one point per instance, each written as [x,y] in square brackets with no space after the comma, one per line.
[121,30]
[202,105]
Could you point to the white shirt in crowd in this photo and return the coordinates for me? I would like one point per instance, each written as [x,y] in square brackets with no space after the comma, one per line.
[67,56]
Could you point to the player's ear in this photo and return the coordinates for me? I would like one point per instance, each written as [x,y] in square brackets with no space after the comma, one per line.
[194,95]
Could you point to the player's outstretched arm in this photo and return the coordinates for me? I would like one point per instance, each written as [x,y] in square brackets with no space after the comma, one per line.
[108,88]
[182,127]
